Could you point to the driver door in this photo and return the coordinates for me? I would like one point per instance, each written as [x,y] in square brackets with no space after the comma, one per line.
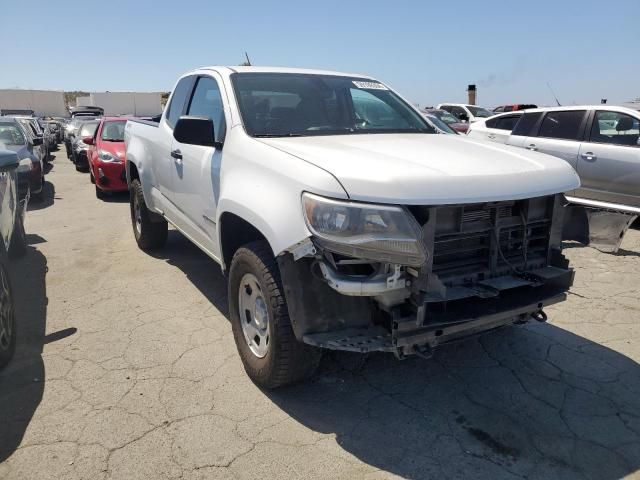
[196,176]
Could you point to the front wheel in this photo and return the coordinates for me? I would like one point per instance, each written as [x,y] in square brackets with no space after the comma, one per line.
[269,350]
[149,234]
[99,193]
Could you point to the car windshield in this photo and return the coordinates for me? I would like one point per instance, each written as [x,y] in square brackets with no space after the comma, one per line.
[113,131]
[440,124]
[480,112]
[10,134]
[445,116]
[292,104]
[88,129]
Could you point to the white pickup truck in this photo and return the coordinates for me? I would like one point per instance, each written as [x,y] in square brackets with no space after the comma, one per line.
[341,218]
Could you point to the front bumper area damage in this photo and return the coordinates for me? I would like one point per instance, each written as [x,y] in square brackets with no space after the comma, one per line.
[489,265]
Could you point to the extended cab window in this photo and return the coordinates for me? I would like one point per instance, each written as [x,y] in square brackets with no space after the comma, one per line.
[563,125]
[615,128]
[178,100]
[207,102]
[526,124]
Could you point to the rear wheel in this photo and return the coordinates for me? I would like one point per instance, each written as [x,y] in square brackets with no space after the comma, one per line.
[269,350]
[148,234]
[7,316]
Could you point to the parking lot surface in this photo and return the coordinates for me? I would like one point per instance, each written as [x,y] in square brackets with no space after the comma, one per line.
[126,369]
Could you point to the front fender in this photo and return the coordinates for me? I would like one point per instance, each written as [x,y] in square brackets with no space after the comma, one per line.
[264,185]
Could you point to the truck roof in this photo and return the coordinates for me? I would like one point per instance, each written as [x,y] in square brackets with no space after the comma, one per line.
[262,69]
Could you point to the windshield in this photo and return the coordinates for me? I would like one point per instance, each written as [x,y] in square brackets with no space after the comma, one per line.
[88,129]
[445,116]
[480,112]
[10,134]
[292,104]
[440,124]
[113,131]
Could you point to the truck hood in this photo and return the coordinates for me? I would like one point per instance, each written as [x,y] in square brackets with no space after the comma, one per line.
[431,169]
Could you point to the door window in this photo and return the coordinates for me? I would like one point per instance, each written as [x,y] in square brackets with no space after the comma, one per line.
[615,128]
[563,125]
[507,122]
[207,102]
[524,127]
[178,100]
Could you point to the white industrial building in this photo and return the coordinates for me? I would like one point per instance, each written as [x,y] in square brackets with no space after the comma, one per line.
[124,103]
[42,102]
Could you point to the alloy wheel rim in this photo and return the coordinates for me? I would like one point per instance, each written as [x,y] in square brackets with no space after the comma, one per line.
[254,315]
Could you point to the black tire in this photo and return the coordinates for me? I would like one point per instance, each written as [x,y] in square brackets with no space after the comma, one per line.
[149,234]
[100,194]
[7,315]
[18,242]
[91,177]
[287,360]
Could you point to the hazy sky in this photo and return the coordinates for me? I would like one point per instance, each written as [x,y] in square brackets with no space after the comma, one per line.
[427,50]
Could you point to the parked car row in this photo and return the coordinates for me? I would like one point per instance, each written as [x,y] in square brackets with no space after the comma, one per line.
[96,146]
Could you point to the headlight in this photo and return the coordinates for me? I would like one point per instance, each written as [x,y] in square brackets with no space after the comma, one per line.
[382,233]
[107,156]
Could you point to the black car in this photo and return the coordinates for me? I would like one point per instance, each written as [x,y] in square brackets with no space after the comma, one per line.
[13,243]
[15,137]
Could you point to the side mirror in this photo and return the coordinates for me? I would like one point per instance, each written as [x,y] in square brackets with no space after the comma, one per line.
[37,141]
[8,161]
[194,131]
[88,140]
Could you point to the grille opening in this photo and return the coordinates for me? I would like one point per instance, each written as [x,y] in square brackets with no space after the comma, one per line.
[476,242]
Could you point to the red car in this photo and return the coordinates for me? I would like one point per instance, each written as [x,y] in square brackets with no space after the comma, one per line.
[106,156]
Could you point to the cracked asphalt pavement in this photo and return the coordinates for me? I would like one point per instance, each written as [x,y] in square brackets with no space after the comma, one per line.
[126,369]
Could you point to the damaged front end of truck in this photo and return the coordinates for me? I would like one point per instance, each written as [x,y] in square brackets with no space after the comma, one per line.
[405,279]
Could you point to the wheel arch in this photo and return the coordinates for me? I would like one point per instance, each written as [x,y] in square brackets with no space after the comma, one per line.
[234,231]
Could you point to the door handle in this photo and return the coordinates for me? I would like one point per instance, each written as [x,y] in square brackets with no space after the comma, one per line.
[589,156]
[532,147]
[491,135]
[177,154]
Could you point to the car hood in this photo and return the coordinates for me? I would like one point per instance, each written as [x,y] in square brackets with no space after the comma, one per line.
[430,169]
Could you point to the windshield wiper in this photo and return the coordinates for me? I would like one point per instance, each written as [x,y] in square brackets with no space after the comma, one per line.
[276,135]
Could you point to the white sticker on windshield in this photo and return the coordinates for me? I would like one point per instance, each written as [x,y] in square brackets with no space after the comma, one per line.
[370,85]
